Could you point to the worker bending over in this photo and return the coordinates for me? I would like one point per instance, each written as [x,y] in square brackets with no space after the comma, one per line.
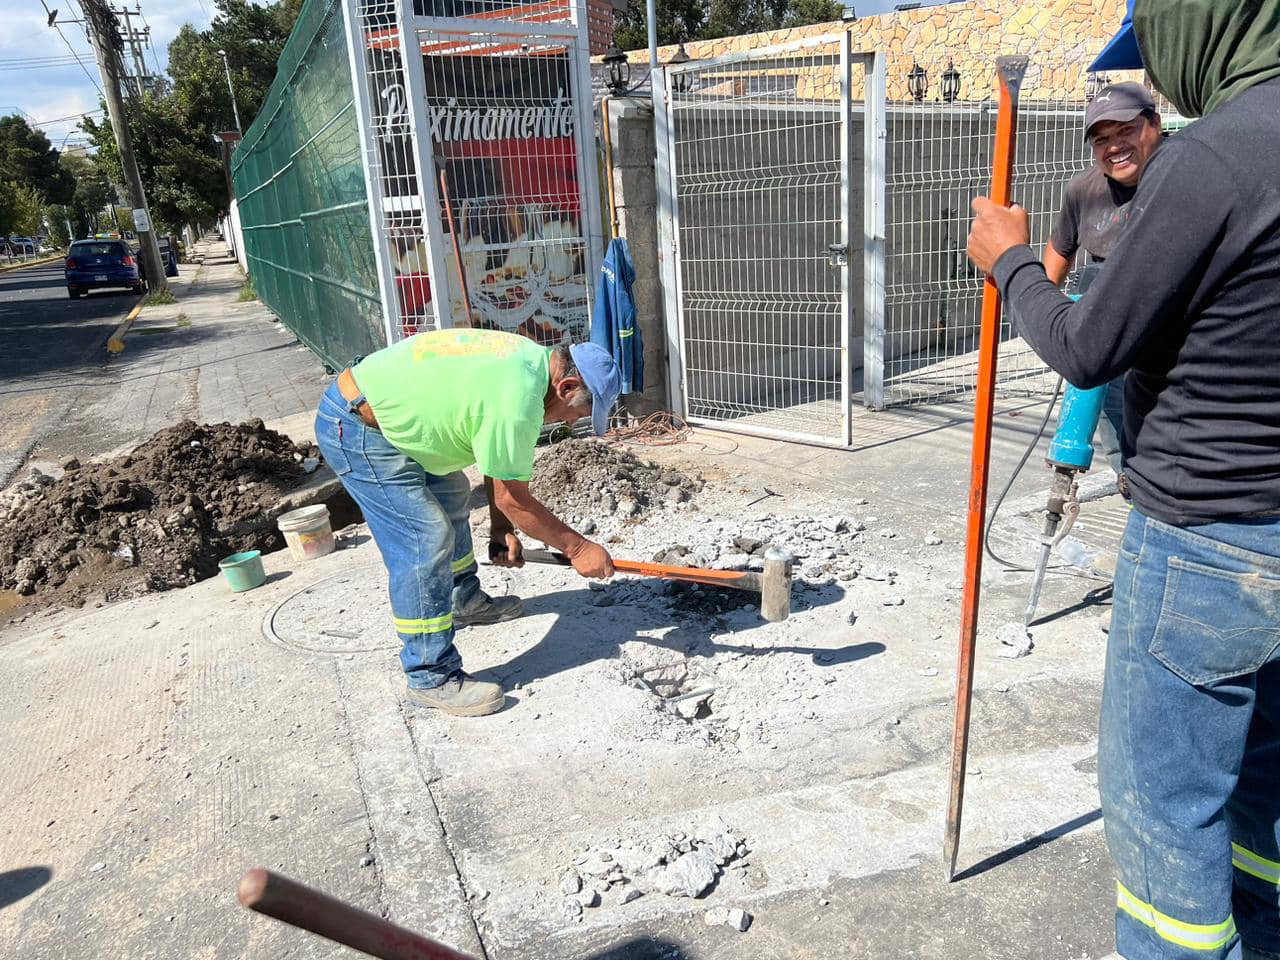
[400,426]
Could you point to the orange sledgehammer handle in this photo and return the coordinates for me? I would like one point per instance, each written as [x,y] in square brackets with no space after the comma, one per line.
[715,578]
[1010,71]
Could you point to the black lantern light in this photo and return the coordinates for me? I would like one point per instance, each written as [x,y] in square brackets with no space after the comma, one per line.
[950,83]
[1093,85]
[917,82]
[619,69]
[680,79]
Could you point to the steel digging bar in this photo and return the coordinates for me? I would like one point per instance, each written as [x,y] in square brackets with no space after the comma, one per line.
[1010,71]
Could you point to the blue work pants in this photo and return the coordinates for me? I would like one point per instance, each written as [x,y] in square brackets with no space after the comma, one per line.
[420,524]
[1189,747]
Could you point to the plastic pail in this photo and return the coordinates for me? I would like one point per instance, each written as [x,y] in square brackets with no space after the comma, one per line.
[307,532]
[243,570]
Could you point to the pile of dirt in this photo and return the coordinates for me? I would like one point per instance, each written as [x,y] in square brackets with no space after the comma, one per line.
[159,517]
[587,478]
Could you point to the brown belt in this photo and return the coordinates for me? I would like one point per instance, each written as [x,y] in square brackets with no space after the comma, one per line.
[350,392]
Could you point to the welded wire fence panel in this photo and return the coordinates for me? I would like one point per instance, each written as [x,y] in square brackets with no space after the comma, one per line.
[938,160]
[302,198]
[504,131]
[758,151]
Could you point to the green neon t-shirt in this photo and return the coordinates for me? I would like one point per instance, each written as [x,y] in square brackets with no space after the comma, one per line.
[451,398]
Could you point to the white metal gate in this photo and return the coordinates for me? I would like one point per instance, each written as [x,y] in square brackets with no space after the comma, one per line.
[767,261]
[476,117]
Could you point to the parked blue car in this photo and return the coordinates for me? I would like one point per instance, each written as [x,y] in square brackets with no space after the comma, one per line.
[92,264]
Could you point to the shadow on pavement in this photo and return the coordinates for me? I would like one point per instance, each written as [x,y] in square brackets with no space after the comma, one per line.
[1031,843]
[578,637]
[18,884]
[646,948]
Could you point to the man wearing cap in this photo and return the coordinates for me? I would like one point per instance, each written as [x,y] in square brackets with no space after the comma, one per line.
[1123,130]
[1189,304]
[400,426]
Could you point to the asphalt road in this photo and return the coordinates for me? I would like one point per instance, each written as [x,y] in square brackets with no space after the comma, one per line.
[52,350]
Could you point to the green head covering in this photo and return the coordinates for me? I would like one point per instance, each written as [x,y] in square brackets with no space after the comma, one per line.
[1201,53]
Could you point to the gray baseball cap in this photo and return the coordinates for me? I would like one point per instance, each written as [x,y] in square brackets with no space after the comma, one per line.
[1118,101]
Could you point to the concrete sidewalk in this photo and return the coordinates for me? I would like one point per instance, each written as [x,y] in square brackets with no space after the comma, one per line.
[208,357]
[160,747]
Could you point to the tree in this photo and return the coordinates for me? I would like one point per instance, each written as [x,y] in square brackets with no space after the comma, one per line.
[680,21]
[26,157]
[21,209]
[93,192]
[173,128]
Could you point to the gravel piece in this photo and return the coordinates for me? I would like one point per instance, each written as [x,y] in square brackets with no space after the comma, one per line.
[628,894]
[1014,639]
[570,882]
[739,919]
[716,917]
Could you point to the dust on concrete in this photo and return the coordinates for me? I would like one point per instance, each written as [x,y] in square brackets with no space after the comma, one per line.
[158,517]
[590,479]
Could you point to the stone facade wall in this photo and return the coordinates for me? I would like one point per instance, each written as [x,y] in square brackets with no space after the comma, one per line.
[1061,36]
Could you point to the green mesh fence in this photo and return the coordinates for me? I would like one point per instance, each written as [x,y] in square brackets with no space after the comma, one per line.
[302,199]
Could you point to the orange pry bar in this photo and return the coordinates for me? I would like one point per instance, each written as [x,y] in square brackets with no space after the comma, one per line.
[1010,71]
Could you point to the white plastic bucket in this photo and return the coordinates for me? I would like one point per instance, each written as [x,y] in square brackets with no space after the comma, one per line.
[307,532]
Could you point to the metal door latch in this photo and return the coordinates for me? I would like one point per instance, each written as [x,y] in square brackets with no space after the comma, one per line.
[837,254]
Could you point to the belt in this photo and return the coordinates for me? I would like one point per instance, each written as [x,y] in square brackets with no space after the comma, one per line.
[359,405]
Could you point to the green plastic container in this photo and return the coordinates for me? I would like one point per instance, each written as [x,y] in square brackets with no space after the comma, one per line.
[243,570]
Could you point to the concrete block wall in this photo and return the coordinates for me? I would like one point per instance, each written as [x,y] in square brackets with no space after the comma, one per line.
[635,192]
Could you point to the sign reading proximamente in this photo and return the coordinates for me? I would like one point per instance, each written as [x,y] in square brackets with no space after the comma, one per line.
[453,121]
[502,125]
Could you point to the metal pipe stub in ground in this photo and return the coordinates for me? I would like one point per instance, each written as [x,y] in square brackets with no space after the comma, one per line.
[773,583]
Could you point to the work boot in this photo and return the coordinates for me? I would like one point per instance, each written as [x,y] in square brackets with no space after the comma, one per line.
[461,696]
[482,609]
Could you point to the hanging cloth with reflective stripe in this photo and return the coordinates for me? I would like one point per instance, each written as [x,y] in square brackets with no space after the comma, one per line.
[613,318]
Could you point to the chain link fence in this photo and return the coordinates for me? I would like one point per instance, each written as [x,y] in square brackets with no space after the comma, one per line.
[302,197]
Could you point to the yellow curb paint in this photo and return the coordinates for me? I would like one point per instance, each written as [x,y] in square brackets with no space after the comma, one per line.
[115,342]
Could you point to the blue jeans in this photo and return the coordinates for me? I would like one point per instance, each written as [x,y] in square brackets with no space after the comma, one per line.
[1189,747]
[419,522]
[1110,430]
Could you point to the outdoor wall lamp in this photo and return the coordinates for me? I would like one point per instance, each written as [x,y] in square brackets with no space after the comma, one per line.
[917,82]
[950,83]
[681,79]
[619,69]
[1093,85]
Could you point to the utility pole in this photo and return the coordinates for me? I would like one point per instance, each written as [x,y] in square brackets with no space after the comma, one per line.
[106,46]
[135,39]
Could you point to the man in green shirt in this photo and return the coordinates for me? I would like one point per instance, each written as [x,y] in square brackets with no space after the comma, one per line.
[399,427]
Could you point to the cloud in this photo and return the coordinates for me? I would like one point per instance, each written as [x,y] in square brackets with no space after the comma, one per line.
[49,94]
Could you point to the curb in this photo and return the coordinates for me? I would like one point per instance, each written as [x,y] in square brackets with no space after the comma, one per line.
[30,263]
[115,342]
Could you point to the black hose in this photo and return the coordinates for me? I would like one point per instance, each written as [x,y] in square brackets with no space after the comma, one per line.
[1026,455]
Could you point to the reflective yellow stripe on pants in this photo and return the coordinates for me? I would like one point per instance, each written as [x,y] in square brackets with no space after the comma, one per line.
[429,625]
[1246,861]
[1193,936]
[463,562]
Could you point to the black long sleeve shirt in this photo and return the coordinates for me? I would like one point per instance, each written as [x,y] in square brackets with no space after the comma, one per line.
[1189,303]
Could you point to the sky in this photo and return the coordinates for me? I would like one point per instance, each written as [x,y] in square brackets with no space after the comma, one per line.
[55,93]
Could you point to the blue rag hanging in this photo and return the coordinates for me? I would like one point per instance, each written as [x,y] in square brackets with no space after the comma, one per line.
[613,325]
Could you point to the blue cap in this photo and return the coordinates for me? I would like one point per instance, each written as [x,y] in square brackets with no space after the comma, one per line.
[603,379]
[1122,52]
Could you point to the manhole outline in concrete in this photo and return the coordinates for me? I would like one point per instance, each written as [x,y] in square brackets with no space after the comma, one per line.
[344,642]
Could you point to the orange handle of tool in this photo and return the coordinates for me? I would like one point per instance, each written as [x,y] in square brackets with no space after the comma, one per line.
[715,578]
[1010,71]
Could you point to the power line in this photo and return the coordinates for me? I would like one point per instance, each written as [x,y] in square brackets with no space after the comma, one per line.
[150,43]
[57,27]
[74,116]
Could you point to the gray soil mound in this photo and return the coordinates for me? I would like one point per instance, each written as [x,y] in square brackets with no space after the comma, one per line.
[587,478]
[159,517]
